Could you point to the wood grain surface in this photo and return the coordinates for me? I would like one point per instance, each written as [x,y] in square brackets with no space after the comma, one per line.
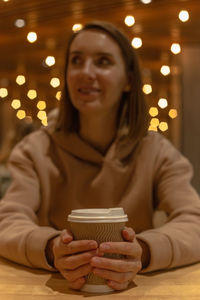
[21,283]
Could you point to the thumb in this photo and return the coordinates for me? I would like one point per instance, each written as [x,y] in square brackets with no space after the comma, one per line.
[66,236]
[128,234]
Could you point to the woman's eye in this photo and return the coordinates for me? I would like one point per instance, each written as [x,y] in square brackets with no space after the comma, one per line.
[104,61]
[75,60]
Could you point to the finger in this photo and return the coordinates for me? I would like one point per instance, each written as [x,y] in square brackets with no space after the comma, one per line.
[74,261]
[117,265]
[66,236]
[77,284]
[77,247]
[128,234]
[115,276]
[118,286]
[124,248]
[72,275]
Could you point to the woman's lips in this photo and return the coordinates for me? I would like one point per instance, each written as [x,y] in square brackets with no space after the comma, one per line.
[89,90]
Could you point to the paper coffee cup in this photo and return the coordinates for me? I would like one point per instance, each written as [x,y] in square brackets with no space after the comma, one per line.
[101,225]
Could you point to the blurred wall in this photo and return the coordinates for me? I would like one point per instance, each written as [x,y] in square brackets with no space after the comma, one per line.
[191,109]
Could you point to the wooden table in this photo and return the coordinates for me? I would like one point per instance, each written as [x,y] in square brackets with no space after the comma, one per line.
[21,283]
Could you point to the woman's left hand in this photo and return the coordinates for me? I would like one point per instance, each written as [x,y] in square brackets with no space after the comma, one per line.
[119,272]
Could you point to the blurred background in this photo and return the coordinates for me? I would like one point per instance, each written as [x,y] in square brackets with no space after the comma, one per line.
[165,33]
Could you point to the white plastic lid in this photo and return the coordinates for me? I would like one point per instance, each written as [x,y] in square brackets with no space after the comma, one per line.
[98,215]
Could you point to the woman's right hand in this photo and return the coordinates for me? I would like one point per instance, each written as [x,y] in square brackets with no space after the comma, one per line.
[72,258]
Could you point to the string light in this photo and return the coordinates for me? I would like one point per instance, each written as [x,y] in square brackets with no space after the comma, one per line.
[162,103]
[44,122]
[3,92]
[16,104]
[32,94]
[42,115]
[50,60]
[175,48]
[152,128]
[129,21]
[184,16]
[55,82]
[41,105]
[32,37]
[21,114]
[20,23]
[153,111]
[136,42]
[58,95]
[163,126]
[154,122]
[147,89]
[146,1]
[20,79]
[77,27]
[173,113]
[165,70]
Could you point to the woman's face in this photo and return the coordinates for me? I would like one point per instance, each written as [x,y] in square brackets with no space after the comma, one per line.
[96,76]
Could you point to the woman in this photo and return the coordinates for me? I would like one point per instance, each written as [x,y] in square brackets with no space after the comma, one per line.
[21,129]
[100,155]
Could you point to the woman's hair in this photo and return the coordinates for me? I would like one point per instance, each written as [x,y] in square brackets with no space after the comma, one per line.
[132,117]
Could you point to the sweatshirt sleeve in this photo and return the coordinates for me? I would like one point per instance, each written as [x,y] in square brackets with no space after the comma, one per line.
[177,242]
[22,238]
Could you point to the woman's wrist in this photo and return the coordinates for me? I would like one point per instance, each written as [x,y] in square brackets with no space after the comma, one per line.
[145,259]
[49,252]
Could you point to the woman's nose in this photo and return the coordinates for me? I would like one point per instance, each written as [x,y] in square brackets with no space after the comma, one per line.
[89,69]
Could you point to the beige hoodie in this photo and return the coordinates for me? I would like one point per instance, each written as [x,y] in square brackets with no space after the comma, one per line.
[54,173]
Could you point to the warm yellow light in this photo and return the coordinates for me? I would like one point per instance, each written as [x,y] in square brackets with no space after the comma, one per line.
[175,48]
[165,70]
[44,122]
[55,82]
[153,111]
[32,94]
[129,21]
[152,128]
[16,104]
[32,37]
[58,95]
[77,27]
[41,105]
[147,89]
[3,92]
[20,23]
[162,103]
[21,114]
[184,15]
[146,1]
[173,113]
[154,122]
[20,79]
[42,115]
[136,42]
[6,0]
[163,126]
[50,61]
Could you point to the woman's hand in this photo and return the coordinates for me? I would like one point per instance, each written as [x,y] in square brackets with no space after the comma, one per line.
[119,272]
[72,258]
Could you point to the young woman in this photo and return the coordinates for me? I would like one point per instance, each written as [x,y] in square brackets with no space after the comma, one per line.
[100,154]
